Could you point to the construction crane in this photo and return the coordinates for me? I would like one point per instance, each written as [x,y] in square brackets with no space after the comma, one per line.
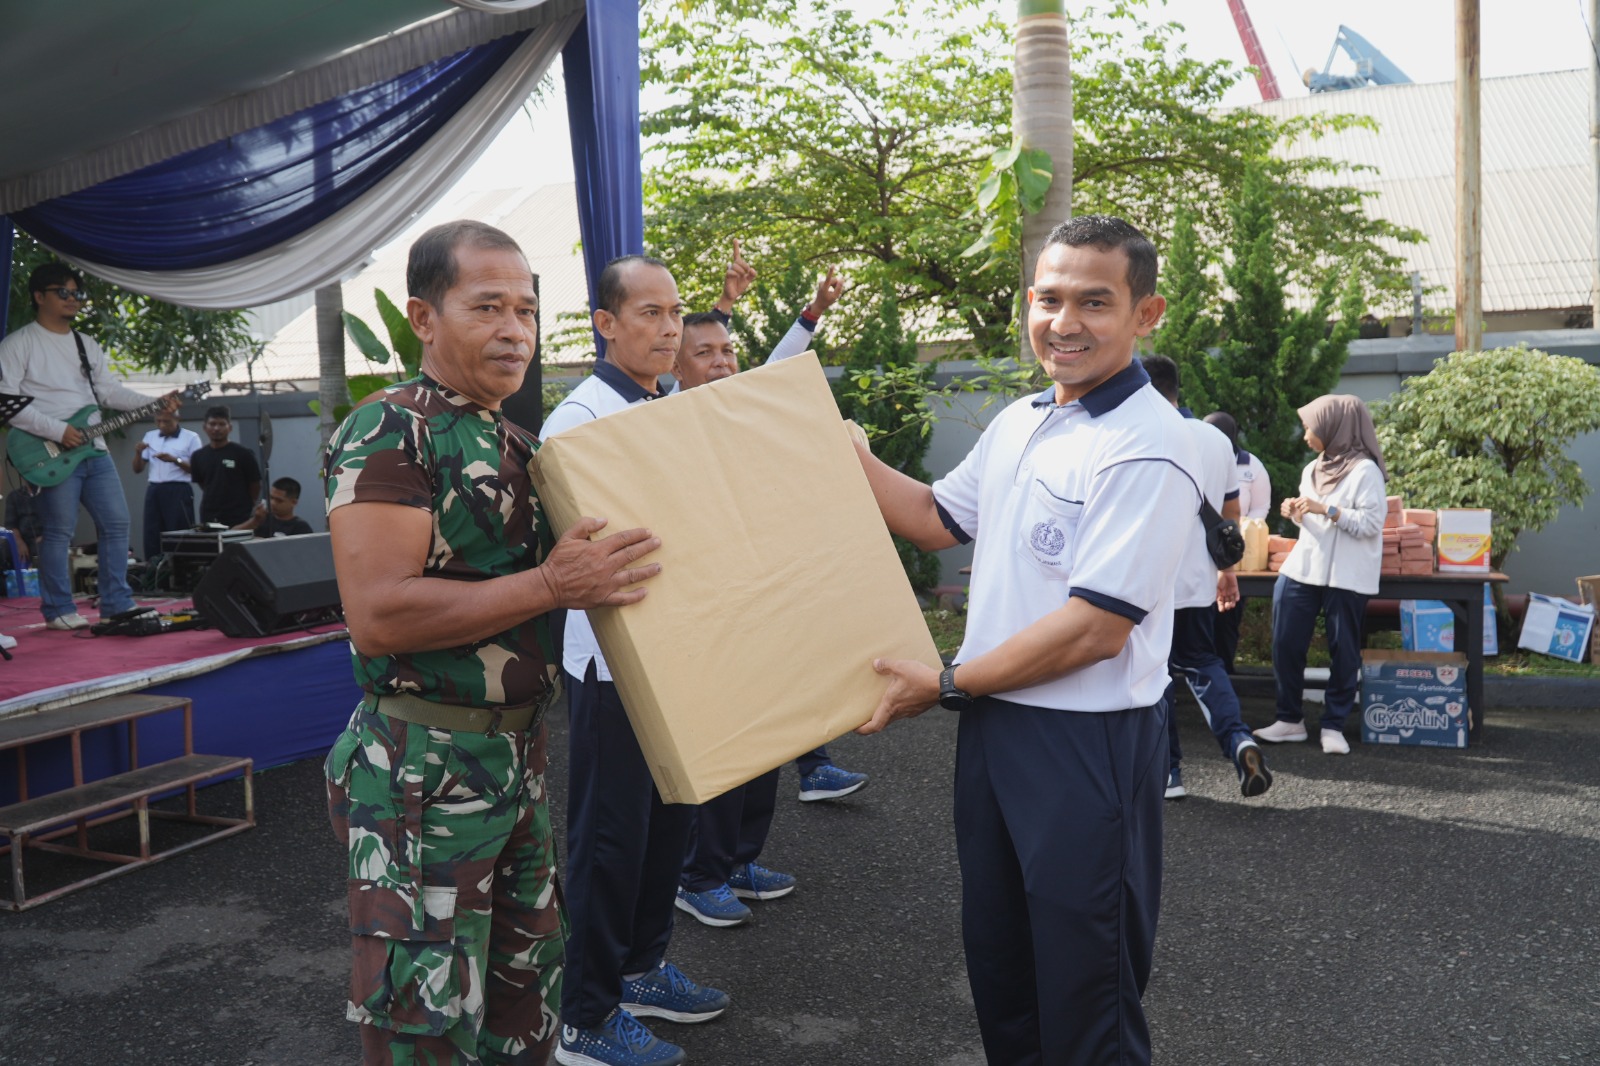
[1372,66]
[1253,51]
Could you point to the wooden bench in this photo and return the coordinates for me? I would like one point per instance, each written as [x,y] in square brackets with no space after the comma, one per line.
[39,822]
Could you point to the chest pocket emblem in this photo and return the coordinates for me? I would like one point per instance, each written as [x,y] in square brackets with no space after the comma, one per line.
[1047,538]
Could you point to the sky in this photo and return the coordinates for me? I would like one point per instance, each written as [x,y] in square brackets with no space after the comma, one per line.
[1518,37]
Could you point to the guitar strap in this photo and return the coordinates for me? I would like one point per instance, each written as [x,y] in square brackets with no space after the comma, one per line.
[83,361]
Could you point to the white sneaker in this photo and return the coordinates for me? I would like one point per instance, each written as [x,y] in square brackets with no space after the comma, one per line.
[1333,743]
[68,621]
[1282,732]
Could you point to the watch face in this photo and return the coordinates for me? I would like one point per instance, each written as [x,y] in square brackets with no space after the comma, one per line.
[950,697]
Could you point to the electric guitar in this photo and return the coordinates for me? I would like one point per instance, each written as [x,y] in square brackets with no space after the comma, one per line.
[46,462]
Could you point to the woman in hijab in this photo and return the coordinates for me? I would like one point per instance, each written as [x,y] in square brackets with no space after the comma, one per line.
[1333,568]
[1255,500]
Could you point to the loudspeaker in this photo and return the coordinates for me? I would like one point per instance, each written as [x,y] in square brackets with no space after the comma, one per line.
[270,585]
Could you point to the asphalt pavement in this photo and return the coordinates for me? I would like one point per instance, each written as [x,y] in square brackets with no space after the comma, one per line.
[1400,905]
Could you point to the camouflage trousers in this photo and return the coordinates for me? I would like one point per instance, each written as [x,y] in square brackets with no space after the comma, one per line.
[456,918]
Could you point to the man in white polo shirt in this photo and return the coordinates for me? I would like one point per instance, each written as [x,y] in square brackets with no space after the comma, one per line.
[169,495]
[624,845]
[1077,498]
[1201,590]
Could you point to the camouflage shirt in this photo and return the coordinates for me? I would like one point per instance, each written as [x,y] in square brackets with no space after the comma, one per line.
[421,444]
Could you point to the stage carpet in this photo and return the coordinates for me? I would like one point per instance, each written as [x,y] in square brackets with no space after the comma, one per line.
[276,699]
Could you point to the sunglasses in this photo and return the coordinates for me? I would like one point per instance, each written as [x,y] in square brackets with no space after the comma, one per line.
[70,294]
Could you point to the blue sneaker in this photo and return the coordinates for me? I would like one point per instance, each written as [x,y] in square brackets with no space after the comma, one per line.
[666,993]
[828,782]
[751,881]
[621,1040]
[714,906]
[1175,789]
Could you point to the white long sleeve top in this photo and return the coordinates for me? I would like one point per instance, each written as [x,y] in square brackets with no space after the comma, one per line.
[1347,553]
[36,362]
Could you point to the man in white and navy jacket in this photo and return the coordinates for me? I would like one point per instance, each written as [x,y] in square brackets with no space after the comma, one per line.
[1072,497]
[624,845]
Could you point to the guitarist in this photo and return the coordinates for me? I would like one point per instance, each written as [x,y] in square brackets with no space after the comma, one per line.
[63,371]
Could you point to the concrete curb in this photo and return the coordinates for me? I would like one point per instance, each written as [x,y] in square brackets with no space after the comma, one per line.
[1563,692]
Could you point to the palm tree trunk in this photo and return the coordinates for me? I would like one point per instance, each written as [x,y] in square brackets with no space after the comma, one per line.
[332,389]
[1041,117]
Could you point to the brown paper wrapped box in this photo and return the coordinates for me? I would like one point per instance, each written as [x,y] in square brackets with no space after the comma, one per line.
[779,584]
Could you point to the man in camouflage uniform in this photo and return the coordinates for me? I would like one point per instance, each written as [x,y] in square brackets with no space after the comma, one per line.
[446,570]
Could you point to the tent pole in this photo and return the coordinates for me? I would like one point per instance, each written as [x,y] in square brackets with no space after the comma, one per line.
[8,245]
[601,65]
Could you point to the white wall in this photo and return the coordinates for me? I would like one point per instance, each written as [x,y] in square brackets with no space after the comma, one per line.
[1546,561]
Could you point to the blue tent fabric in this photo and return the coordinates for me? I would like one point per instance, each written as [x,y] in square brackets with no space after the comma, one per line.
[252,191]
[601,65]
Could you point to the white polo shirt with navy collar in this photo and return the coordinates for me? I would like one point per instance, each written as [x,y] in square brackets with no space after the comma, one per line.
[1219,480]
[604,392]
[1091,499]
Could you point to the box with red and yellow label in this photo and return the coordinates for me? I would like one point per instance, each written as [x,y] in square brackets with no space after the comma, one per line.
[1465,540]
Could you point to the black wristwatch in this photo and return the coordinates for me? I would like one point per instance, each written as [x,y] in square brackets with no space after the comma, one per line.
[950,697]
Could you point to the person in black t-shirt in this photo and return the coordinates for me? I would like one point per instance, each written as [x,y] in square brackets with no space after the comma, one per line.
[280,520]
[227,473]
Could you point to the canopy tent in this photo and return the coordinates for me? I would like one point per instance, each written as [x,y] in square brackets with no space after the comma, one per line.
[227,155]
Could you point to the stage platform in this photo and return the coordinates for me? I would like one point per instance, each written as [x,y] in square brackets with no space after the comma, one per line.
[275,699]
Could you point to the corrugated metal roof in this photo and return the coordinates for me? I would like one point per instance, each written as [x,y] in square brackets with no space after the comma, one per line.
[544,222]
[1538,179]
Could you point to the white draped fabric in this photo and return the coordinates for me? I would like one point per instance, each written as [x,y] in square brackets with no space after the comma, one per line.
[335,248]
[497,5]
[389,56]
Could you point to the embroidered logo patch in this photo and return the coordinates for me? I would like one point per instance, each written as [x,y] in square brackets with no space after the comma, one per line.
[1047,539]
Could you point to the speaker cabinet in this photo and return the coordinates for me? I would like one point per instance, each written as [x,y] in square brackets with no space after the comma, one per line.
[260,587]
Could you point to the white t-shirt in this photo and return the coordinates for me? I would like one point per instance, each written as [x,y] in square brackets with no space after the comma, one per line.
[605,392]
[1219,478]
[185,444]
[1255,488]
[1078,501]
[36,362]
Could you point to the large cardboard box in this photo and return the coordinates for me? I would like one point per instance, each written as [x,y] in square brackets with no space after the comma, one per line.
[779,582]
[1558,627]
[1430,625]
[1427,625]
[1465,539]
[1414,697]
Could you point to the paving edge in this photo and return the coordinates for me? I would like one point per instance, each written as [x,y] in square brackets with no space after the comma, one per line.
[1563,692]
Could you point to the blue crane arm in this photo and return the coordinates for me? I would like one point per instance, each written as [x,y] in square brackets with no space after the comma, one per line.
[1370,63]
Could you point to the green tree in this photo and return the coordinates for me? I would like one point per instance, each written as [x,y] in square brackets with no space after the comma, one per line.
[1273,359]
[138,332]
[884,388]
[761,319]
[1188,330]
[1491,429]
[821,136]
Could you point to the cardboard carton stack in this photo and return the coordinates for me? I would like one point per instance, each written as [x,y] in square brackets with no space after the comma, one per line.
[1278,549]
[1407,540]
